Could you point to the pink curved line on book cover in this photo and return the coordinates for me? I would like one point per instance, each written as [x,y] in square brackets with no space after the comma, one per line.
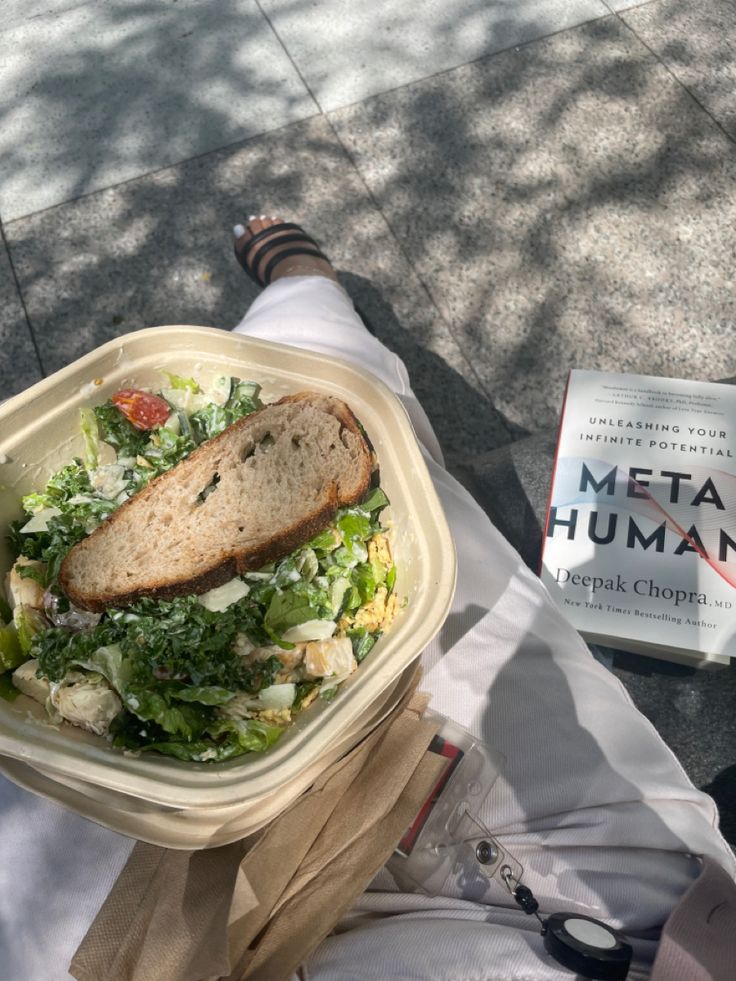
[623,479]
[725,574]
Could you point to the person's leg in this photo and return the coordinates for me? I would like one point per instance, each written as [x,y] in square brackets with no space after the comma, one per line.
[303,306]
[590,799]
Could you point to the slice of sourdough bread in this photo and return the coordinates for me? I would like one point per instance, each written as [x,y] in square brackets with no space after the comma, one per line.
[263,487]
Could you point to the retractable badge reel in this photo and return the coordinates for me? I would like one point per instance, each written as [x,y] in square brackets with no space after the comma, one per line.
[447,838]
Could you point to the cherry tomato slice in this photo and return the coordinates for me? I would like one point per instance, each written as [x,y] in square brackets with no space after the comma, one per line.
[141,409]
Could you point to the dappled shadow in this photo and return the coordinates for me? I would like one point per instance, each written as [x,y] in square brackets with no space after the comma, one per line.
[572,781]
[125,88]
[563,204]
[464,419]
[567,204]
[348,56]
[696,43]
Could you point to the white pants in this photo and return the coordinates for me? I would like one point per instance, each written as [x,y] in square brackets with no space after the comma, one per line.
[590,800]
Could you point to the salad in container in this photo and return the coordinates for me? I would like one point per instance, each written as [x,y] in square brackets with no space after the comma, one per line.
[203,677]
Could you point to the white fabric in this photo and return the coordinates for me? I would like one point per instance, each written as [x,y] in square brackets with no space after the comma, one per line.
[590,799]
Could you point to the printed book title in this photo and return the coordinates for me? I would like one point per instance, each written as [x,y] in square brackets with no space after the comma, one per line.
[676,487]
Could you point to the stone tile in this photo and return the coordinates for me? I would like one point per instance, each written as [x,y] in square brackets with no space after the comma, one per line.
[619,5]
[15,12]
[125,88]
[19,365]
[158,251]
[567,205]
[347,52]
[696,42]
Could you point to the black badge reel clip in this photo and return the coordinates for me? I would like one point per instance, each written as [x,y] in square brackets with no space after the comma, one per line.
[447,836]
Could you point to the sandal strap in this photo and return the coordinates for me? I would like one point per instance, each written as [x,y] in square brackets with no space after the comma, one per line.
[285,226]
[263,250]
[285,255]
[244,265]
[268,239]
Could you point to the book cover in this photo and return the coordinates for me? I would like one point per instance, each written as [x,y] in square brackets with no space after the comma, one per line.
[640,541]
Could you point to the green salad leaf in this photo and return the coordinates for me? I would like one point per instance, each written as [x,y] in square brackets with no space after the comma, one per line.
[49,546]
[165,450]
[153,703]
[178,381]
[362,642]
[118,432]
[91,435]
[212,419]
[175,639]
[375,502]
[8,691]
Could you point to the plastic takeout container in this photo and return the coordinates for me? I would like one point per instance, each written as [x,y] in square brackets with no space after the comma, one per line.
[39,433]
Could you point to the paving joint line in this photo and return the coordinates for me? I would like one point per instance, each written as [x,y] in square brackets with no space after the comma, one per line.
[514,46]
[197,156]
[678,81]
[16,280]
[634,6]
[160,170]
[288,54]
[507,426]
[408,260]
[320,111]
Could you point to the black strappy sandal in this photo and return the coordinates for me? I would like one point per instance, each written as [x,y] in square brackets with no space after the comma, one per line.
[270,240]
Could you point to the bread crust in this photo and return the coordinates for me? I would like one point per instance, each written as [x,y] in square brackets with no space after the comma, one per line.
[225,567]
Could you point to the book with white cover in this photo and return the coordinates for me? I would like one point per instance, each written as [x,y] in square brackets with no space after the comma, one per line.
[639,546]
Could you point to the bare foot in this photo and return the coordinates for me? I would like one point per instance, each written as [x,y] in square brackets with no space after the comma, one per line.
[257,251]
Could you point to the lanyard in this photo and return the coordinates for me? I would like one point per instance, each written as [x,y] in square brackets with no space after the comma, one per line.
[447,832]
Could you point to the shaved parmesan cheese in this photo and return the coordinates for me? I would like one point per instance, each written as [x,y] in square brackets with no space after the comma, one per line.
[40,520]
[221,597]
[310,630]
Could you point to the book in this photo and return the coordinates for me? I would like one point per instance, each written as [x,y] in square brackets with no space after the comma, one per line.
[639,546]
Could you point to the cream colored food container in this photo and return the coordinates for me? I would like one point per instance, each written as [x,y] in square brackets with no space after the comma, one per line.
[147,796]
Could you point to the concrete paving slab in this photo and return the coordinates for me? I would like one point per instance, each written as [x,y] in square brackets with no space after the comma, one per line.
[16,11]
[158,251]
[122,89]
[349,51]
[19,366]
[696,42]
[619,5]
[567,204]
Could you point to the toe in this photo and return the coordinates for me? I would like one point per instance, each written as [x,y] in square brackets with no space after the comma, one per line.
[257,223]
[260,224]
[241,235]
